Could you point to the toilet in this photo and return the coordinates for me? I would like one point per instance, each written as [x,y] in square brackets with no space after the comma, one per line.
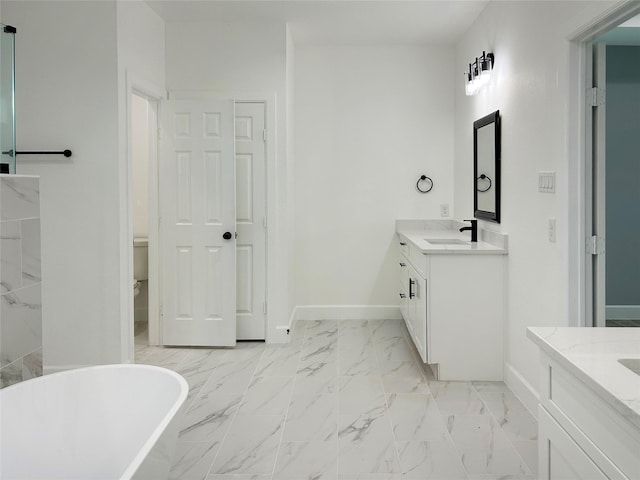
[140,263]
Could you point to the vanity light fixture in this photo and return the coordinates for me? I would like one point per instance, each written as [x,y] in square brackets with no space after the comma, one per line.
[479,73]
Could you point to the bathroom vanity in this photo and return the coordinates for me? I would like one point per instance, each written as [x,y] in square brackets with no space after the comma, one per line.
[452,297]
[589,410]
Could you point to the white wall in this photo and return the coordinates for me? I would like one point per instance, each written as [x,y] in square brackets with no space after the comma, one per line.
[290,92]
[369,121]
[67,97]
[530,88]
[250,59]
[140,165]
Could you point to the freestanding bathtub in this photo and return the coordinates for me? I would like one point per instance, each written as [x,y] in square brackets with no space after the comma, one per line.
[98,423]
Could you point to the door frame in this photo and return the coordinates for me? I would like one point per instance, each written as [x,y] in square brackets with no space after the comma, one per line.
[269,101]
[154,94]
[580,195]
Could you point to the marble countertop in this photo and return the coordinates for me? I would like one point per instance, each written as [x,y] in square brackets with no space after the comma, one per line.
[592,354]
[417,231]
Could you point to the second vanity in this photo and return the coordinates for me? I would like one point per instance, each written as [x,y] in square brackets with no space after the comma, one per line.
[452,296]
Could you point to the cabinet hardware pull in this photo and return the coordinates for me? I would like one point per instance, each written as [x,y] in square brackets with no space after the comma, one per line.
[411,292]
[403,264]
[402,295]
[402,243]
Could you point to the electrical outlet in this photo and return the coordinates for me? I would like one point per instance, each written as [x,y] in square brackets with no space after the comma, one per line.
[551,230]
[444,210]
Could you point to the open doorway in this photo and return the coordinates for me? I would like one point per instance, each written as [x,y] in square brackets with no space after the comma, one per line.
[143,214]
[621,48]
[140,215]
[606,178]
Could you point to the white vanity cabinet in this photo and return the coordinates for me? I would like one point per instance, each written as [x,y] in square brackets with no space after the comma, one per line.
[580,435]
[453,307]
[589,410]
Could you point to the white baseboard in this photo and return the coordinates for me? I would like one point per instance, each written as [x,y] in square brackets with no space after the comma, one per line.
[346,312]
[623,312]
[522,389]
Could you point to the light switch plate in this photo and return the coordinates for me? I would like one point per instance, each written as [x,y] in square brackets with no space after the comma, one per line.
[547,182]
[551,230]
[444,210]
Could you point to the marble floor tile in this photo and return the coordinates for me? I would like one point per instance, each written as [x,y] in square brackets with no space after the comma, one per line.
[415,417]
[251,445]
[353,327]
[267,396]
[405,384]
[192,461]
[501,477]
[386,329]
[512,415]
[394,356]
[279,361]
[360,394]
[316,378]
[365,444]
[307,461]
[457,398]
[317,328]
[312,418]
[238,477]
[371,476]
[430,461]
[528,450]
[357,358]
[231,375]
[166,357]
[314,352]
[347,400]
[482,387]
[483,446]
[209,418]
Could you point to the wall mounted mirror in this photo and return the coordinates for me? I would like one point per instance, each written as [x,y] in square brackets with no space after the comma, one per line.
[486,167]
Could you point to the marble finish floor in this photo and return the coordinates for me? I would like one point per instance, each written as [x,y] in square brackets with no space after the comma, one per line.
[343,400]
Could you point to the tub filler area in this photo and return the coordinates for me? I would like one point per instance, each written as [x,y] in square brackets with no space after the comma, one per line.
[105,422]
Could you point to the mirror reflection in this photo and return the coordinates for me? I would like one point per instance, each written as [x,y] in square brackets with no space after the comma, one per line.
[486,149]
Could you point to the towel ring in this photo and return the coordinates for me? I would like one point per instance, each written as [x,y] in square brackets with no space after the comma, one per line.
[483,177]
[424,184]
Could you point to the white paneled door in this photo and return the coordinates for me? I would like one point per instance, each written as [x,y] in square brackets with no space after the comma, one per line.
[197,183]
[250,220]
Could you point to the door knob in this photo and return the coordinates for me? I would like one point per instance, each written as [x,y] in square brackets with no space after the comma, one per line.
[226,235]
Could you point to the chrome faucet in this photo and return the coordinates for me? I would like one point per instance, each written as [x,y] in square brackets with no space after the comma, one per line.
[473,228]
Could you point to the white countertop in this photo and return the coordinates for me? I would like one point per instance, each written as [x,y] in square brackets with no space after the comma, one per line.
[417,231]
[592,354]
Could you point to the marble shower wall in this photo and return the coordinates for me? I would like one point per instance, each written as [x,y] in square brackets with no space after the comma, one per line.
[20,279]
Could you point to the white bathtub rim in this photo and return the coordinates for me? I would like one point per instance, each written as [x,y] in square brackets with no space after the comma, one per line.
[160,428]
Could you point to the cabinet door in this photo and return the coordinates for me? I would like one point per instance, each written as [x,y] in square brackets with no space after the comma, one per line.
[560,458]
[403,286]
[420,317]
[418,308]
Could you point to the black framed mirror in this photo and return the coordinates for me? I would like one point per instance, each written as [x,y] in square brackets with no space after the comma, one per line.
[486,167]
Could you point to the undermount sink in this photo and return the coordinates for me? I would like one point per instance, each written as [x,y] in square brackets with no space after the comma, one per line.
[632,364]
[446,241]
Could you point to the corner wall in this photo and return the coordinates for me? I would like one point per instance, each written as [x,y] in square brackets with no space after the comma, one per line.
[20,280]
[71,59]
[530,87]
[66,97]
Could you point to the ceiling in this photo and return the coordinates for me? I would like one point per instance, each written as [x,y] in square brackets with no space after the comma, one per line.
[322,22]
